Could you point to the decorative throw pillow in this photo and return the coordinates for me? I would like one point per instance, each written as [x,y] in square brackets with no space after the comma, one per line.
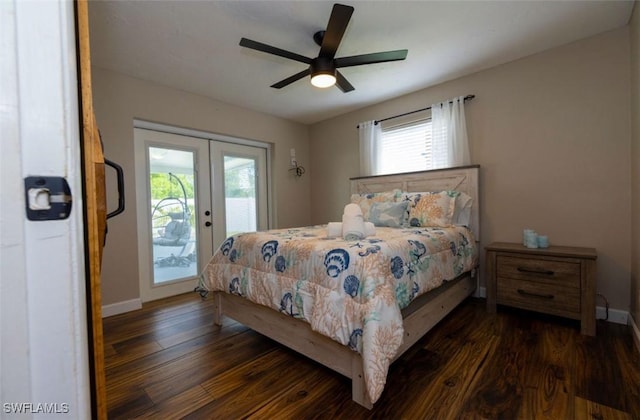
[388,214]
[430,208]
[366,200]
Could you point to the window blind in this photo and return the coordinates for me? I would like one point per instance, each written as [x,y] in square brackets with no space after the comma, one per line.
[406,148]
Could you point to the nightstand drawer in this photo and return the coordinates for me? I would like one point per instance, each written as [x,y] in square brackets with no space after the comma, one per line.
[542,270]
[534,296]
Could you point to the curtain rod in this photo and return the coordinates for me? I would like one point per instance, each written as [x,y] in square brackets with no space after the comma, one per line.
[466,98]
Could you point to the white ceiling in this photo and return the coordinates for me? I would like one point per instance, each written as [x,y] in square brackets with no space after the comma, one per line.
[193,45]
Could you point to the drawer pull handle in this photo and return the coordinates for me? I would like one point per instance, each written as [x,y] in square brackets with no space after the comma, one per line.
[530,270]
[538,295]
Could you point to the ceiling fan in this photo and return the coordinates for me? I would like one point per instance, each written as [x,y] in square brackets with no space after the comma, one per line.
[324,68]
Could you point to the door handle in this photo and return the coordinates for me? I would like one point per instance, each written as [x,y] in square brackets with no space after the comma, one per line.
[120,180]
[538,295]
[534,271]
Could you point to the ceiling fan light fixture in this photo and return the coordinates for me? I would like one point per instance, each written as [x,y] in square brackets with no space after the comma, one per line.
[323,72]
[323,80]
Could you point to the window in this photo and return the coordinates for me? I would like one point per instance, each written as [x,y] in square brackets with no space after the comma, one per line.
[406,148]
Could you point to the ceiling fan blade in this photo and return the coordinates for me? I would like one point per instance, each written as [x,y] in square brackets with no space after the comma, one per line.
[255,45]
[343,83]
[291,79]
[340,16]
[381,57]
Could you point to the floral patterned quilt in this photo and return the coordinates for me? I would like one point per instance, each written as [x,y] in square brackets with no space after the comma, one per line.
[349,291]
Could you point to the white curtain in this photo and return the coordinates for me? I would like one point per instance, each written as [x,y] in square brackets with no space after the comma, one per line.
[450,145]
[370,135]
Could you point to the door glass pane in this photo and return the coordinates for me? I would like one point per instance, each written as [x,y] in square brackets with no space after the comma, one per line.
[173,215]
[240,194]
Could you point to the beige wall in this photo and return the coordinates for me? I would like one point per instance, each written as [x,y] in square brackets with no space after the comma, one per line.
[120,99]
[635,159]
[552,135]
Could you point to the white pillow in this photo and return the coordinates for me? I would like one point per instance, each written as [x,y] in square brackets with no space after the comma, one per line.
[462,211]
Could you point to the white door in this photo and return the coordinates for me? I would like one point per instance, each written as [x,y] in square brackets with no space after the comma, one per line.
[43,310]
[172,181]
[239,184]
[192,194]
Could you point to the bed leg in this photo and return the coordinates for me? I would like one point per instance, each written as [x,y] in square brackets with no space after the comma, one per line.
[359,392]
[217,309]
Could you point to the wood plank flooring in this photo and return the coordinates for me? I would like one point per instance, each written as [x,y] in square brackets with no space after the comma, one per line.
[168,361]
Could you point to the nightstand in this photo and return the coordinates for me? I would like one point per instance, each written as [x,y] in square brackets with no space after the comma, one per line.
[558,280]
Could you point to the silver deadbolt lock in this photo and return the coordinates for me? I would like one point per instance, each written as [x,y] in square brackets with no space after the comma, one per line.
[47,198]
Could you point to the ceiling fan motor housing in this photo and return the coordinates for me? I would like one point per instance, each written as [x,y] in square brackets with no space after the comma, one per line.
[323,65]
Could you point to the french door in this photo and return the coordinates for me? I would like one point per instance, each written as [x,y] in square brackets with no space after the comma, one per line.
[193,193]
[239,184]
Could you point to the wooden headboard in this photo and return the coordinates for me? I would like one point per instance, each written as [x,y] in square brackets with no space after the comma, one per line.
[464,179]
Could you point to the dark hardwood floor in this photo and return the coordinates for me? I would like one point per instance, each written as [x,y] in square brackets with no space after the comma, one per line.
[168,361]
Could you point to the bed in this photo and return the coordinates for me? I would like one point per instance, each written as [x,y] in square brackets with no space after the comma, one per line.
[353,306]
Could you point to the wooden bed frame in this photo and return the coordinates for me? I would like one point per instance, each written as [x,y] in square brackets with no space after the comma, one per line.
[418,318]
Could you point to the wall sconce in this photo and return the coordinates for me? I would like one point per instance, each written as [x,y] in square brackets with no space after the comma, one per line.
[299,170]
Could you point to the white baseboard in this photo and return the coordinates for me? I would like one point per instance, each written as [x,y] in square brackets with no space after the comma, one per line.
[121,307]
[635,331]
[616,316]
